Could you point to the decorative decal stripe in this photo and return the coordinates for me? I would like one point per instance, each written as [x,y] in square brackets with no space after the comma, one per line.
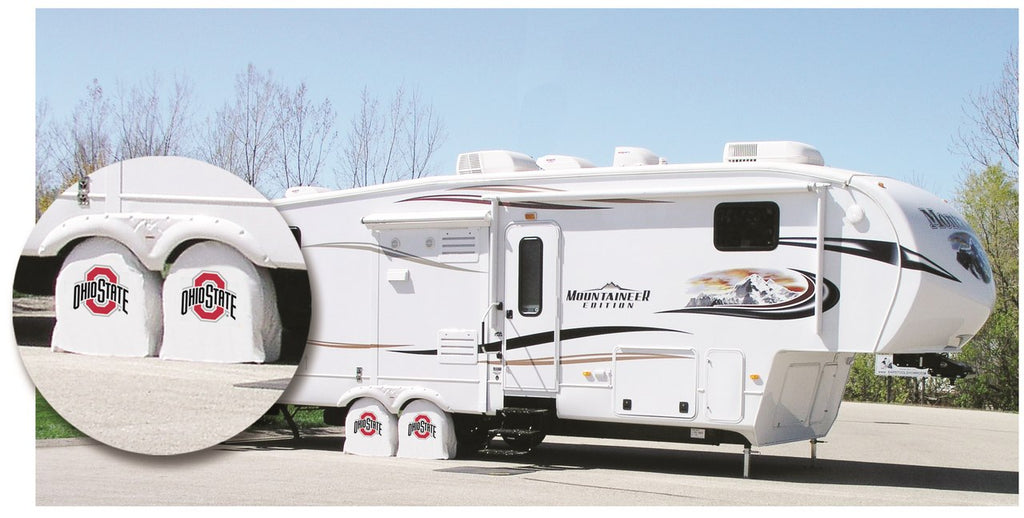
[549,337]
[343,345]
[870,249]
[569,334]
[800,307]
[882,251]
[391,252]
[507,188]
[477,199]
[542,362]
[915,261]
[626,200]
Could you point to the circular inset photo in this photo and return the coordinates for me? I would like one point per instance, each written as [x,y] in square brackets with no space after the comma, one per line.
[161,305]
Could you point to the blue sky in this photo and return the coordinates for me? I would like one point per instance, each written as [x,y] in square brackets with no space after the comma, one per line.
[879,91]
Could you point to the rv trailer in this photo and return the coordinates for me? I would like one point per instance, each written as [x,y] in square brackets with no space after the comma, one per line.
[709,303]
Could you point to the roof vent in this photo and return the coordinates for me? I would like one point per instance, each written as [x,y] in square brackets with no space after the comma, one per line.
[554,162]
[497,161]
[634,156]
[772,151]
[304,190]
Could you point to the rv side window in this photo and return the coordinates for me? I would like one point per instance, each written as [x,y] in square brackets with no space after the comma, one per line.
[531,275]
[747,226]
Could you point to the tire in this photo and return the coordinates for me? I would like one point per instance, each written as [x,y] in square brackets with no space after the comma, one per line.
[471,436]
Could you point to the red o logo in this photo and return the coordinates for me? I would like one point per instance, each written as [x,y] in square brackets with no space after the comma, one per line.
[107,274]
[201,280]
[369,422]
[424,431]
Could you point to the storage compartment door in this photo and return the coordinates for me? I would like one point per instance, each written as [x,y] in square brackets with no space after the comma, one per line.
[724,372]
[655,382]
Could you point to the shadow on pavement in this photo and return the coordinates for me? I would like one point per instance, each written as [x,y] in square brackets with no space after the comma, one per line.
[550,456]
[777,468]
[320,439]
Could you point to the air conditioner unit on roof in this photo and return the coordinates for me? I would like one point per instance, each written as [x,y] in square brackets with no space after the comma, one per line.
[772,151]
[495,161]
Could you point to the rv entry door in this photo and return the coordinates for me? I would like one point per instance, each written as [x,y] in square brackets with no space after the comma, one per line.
[530,348]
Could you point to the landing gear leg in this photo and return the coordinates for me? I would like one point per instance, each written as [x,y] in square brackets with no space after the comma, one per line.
[814,450]
[746,461]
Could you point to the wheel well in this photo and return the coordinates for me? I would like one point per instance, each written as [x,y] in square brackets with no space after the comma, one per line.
[37,275]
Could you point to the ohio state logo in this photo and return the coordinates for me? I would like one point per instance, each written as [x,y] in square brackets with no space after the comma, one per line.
[368,425]
[100,293]
[208,298]
[422,428]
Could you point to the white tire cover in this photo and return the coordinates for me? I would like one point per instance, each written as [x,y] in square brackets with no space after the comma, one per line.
[370,429]
[219,307]
[426,432]
[106,302]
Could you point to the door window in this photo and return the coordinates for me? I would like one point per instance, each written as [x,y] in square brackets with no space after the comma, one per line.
[531,275]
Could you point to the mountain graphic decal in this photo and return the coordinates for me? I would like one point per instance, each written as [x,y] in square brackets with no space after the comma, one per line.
[757,293]
[754,290]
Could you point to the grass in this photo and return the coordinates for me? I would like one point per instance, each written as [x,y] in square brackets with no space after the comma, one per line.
[49,424]
[305,418]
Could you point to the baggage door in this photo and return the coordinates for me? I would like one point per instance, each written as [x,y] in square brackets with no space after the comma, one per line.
[530,348]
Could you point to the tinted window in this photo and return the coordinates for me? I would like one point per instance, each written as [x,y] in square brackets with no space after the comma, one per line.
[749,226]
[531,275]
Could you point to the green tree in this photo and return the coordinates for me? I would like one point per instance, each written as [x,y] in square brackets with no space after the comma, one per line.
[989,201]
[865,385]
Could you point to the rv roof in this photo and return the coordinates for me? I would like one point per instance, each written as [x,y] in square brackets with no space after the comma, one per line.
[811,172]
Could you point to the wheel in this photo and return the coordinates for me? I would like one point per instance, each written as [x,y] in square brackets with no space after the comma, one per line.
[471,436]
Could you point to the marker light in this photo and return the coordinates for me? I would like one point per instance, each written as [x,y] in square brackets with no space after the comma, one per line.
[531,215]
[755,377]
[587,374]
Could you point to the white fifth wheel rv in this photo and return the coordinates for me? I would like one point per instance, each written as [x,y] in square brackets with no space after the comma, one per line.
[173,257]
[710,303]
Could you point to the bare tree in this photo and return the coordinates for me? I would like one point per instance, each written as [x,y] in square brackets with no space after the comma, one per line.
[150,126]
[46,174]
[306,137]
[218,143]
[392,129]
[383,147]
[246,130]
[359,153]
[82,144]
[991,136]
[424,134]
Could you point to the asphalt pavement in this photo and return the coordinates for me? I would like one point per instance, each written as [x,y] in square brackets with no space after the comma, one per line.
[154,406]
[875,455]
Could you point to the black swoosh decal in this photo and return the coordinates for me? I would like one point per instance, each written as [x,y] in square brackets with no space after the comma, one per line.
[549,336]
[477,199]
[882,251]
[876,250]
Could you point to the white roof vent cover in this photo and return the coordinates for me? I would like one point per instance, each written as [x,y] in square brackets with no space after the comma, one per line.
[555,162]
[633,156]
[496,161]
[304,190]
[772,151]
